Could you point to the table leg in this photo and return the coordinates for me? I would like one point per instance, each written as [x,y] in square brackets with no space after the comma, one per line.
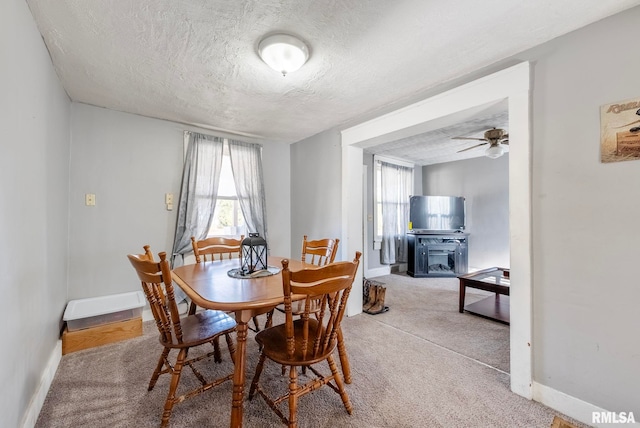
[239,370]
[462,293]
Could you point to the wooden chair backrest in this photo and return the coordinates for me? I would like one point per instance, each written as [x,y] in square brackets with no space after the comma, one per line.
[157,285]
[330,285]
[216,246]
[322,251]
[148,255]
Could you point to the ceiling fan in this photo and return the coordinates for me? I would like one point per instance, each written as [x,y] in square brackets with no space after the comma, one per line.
[495,137]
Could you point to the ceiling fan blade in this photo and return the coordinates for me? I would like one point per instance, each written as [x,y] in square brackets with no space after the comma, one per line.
[505,142]
[472,147]
[468,138]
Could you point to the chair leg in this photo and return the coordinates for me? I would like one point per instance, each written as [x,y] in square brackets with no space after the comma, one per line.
[293,396]
[269,321]
[339,384]
[217,356]
[256,377]
[192,308]
[175,379]
[231,346]
[256,323]
[344,358]
[156,373]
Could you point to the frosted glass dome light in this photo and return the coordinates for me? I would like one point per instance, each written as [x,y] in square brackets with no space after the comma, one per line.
[494,152]
[283,53]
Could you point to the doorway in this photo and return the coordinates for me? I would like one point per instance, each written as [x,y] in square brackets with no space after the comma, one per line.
[512,84]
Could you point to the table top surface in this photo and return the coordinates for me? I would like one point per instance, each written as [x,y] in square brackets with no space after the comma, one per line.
[495,275]
[209,286]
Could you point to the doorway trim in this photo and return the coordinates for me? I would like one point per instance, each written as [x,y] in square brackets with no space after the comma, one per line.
[512,84]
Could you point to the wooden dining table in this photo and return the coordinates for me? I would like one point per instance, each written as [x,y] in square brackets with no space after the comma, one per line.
[209,286]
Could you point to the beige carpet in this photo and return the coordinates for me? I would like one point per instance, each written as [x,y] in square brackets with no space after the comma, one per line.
[428,308]
[403,376]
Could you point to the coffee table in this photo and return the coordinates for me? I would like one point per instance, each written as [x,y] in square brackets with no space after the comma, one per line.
[495,280]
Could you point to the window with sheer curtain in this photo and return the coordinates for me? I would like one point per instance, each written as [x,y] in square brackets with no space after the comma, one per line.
[222,191]
[394,186]
[227,215]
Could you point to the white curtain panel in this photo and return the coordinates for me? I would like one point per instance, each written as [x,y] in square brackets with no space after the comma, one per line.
[198,194]
[246,165]
[396,187]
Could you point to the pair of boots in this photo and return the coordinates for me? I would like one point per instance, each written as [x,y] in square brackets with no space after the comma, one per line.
[374,300]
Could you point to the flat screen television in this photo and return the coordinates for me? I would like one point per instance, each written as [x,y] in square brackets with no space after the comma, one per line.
[436,213]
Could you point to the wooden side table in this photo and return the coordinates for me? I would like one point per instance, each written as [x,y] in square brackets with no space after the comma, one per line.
[495,280]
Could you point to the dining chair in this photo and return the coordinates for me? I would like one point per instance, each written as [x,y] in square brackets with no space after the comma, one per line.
[217,248]
[148,255]
[207,250]
[309,339]
[319,252]
[179,334]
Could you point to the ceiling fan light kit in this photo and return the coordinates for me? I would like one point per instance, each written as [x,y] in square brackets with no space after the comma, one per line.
[283,52]
[494,137]
[494,152]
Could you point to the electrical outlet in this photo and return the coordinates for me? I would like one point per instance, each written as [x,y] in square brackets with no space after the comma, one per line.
[90,199]
[168,200]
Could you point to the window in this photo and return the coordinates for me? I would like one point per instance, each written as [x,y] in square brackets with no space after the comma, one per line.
[377,195]
[207,191]
[227,216]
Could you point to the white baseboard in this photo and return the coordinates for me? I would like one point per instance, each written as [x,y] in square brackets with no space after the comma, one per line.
[380,271]
[37,400]
[403,267]
[571,406]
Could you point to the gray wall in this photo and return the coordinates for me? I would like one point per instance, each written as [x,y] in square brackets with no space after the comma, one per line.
[277,187]
[34,181]
[484,183]
[585,241]
[129,162]
[316,188]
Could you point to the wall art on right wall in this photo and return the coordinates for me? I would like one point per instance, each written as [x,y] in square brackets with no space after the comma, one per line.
[620,131]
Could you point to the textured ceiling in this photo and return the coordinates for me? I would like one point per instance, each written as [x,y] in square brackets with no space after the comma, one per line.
[196,62]
[438,145]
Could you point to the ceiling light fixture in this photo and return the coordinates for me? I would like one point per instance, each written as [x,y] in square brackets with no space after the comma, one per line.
[283,53]
[494,151]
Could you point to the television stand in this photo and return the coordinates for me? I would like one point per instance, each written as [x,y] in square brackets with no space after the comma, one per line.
[437,254]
